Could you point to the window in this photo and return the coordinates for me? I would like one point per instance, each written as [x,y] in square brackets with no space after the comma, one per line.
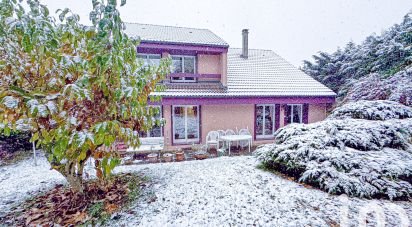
[150,59]
[294,113]
[265,121]
[186,124]
[183,64]
[156,130]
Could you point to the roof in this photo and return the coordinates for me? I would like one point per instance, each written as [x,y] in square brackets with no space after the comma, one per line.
[174,35]
[263,74]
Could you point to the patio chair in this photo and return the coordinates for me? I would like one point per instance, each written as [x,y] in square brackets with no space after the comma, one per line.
[229,132]
[244,131]
[221,133]
[212,138]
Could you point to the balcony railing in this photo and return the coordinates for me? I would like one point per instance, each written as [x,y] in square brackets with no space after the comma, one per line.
[196,75]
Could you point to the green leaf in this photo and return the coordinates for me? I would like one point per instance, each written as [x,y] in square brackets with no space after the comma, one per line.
[123,3]
[6,130]
[82,156]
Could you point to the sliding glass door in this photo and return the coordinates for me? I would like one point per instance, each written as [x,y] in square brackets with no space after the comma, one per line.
[186,124]
[265,121]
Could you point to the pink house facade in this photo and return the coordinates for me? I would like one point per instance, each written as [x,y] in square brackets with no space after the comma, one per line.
[213,86]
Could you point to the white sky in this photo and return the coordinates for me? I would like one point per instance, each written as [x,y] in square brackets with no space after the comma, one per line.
[295,29]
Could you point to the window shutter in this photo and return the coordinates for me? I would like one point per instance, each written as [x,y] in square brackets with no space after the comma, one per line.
[286,109]
[277,116]
[305,117]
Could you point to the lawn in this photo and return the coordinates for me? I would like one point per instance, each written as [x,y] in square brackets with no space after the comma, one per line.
[225,190]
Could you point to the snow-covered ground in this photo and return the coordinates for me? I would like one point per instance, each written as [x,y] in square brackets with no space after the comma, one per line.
[232,191]
[22,180]
[219,191]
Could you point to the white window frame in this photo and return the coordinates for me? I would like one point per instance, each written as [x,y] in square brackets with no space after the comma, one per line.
[148,134]
[146,57]
[264,119]
[186,140]
[291,113]
[184,80]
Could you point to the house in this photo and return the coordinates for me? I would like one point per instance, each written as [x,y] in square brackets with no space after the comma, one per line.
[213,86]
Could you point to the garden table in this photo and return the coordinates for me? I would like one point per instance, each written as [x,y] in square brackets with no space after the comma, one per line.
[233,138]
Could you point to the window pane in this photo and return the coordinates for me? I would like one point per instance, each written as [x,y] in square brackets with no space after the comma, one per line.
[154,60]
[142,134]
[177,65]
[269,120]
[143,57]
[297,114]
[189,65]
[156,130]
[179,123]
[192,123]
[259,120]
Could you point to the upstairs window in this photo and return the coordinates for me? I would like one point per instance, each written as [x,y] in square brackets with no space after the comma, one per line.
[150,59]
[183,65]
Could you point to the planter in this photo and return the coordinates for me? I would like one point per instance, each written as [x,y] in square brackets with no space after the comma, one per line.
[152,157]
[180,156]
[200,155]
[168,157]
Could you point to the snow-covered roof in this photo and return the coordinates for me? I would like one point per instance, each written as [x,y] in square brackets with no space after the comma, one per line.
[263,74]
[174,35]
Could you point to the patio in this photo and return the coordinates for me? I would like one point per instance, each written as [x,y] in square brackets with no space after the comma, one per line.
[218,143]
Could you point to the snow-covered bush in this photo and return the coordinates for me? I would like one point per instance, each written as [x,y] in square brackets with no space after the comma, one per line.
[396,88]
[345,154]
[372,110]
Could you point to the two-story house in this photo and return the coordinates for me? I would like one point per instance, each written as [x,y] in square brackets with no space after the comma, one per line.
[213,86]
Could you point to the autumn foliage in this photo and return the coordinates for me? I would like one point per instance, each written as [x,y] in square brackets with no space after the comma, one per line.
[76,88]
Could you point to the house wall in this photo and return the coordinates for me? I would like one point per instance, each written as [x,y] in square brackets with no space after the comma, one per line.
[317,112]
[223,65]
[215,117]
[208,64]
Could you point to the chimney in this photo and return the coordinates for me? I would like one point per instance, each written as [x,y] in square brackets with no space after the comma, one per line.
[245,33]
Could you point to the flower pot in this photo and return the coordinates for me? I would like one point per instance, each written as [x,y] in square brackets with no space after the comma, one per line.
[201,155]
[152,157]
[180,156]
[168,157]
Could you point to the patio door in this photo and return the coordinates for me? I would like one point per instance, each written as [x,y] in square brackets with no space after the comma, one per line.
[265,121]
[186,124]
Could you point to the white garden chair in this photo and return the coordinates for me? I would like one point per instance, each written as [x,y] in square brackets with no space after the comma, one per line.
[244,131]
[229,132]
[212,138]
[221,133]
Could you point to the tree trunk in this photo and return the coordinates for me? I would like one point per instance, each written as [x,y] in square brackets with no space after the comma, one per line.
[73,172]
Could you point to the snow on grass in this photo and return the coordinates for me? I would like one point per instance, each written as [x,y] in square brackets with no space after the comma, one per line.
[23,180]
[232,191]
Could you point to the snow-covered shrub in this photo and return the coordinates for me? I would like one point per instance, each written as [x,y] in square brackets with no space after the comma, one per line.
[358,157]
[372,110]
[396,88]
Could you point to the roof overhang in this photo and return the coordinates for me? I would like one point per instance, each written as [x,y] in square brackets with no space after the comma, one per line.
[174,48]
[246,100]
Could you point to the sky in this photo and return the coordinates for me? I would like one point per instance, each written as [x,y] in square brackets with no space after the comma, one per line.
[295,29]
